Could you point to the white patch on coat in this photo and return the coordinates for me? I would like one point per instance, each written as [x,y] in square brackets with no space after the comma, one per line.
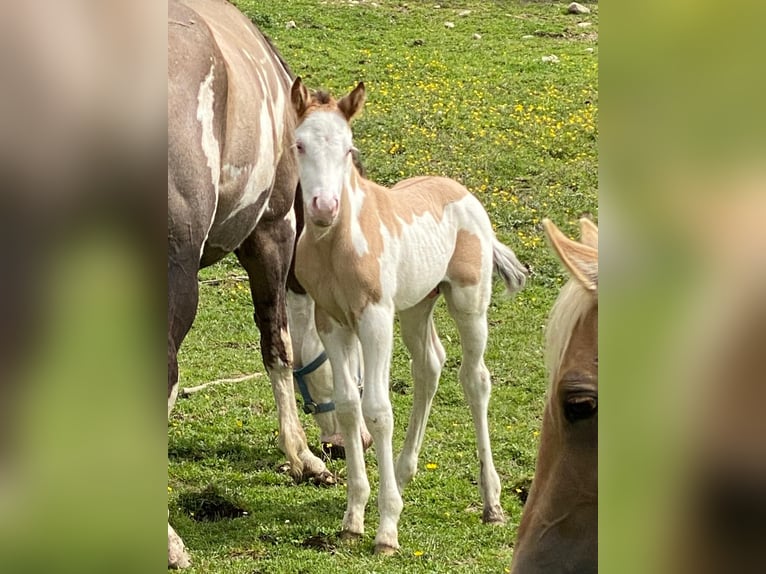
[290,217]
[210,146]
[358,239]
[233,171]
[172,398]
[414,263]
[261,177]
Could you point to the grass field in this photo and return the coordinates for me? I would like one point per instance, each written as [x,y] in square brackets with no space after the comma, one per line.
[521,134]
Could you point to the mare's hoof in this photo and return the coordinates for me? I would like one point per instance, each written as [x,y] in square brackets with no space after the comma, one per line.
[177,556]
[325,478]
[348,536]
[493,515]
[385,550]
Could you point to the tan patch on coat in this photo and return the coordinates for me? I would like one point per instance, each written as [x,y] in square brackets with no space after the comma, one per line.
[417,196]
[340,281]
[464,267]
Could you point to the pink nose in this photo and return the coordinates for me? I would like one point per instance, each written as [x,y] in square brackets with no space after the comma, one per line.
[324,210]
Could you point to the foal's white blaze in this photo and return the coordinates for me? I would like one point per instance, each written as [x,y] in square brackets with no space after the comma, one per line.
[324,148]
[210,147]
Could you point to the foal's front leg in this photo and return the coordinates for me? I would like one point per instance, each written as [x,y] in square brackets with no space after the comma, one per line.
[340,343]
[376,334]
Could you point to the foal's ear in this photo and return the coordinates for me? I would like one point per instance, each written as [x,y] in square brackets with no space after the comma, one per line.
[300,97]
[581,260]
[588,233]
[352,104]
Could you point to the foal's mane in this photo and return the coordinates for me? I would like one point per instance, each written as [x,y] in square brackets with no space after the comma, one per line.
[571,307]
[321,97]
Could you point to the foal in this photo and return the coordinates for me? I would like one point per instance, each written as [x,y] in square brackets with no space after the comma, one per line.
[368,252]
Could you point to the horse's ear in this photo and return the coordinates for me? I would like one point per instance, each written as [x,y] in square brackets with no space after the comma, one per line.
[581,260]
[588,233]
[352,104]
[300,97]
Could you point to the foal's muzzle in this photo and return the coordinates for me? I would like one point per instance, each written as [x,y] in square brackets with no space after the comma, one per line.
[323,211]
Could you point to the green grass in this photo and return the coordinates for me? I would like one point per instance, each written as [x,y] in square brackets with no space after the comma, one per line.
[519,133]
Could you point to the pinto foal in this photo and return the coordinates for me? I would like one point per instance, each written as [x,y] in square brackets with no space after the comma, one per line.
[368,252]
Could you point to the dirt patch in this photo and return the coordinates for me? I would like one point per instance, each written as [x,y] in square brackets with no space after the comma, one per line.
[320,542]
[211,505]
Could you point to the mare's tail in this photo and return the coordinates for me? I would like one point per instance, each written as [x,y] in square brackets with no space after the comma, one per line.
[508,267]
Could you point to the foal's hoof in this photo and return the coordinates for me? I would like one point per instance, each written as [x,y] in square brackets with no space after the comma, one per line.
[348,536]
[493,515]
[385,550]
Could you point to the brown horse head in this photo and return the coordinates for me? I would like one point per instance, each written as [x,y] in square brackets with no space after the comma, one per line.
[558,530]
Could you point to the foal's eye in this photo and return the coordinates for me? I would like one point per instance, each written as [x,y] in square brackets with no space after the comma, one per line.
[579,407]
[299,146]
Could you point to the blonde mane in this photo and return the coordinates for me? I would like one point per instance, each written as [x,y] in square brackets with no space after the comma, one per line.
[571,307]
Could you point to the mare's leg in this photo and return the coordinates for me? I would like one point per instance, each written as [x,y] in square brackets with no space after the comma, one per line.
[339,343]
[427,353]
[468,306]
[183,293]
[265,255]
[376,336]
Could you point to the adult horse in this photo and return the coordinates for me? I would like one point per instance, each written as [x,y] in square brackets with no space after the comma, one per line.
[231,184]
[559,527]
[367,253]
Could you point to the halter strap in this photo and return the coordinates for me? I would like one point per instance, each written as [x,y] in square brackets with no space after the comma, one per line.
[309,406]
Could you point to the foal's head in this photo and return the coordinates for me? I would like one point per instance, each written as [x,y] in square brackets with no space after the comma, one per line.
[558,530]
[324,145]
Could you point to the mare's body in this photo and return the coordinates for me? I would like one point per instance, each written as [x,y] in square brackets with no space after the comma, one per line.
[231,184]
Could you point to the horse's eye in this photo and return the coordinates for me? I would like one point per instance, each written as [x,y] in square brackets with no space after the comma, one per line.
[299,146]
[579,407]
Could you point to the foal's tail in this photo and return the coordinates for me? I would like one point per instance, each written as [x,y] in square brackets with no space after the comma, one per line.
[508,267]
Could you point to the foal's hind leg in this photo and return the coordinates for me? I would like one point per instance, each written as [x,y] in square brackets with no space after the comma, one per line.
[427,353]
[265,255]
[467,307]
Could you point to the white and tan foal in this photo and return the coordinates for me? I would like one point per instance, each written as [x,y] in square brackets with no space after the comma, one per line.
[368,252]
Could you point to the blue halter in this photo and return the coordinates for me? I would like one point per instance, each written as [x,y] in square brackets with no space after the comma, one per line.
[309,406]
